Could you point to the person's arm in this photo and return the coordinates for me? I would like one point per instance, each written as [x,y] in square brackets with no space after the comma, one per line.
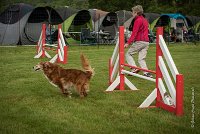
[136,26]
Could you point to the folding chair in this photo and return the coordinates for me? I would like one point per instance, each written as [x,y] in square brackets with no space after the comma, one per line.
[86,37]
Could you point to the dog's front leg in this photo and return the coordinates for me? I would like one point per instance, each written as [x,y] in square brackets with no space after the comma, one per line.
[65,86]
[64,90]
[67,93]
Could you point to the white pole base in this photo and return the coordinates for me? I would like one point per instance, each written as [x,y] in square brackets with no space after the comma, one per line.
[47,54]
[53,60]
[38,55]
[117,82]
[147,102]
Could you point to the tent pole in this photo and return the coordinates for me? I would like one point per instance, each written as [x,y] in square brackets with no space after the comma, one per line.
[168,30]
[19,20]
[98,32]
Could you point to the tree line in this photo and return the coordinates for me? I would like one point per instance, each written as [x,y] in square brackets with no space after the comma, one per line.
[186,7]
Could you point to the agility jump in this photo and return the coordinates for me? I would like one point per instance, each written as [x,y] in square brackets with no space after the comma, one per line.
[61,47]
[167,97]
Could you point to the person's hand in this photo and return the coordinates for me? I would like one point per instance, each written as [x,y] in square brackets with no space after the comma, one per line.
[126,45]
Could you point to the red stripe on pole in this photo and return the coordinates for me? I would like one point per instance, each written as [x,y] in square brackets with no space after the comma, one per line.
[158,72]
[164,106]
[58,48]
[43,39]
[65,55]
[179,94]
[121,56]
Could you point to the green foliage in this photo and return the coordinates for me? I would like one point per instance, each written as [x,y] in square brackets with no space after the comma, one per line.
[157,6]
[78,4]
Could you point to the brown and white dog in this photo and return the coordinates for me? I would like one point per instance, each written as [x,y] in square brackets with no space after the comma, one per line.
[66,78]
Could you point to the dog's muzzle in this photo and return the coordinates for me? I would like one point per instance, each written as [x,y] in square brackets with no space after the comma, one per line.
[37,68]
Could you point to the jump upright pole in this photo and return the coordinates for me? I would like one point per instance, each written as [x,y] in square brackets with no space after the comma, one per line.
[121,57]
[158,72]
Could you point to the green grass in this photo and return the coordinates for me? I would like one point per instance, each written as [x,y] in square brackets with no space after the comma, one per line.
[29,104]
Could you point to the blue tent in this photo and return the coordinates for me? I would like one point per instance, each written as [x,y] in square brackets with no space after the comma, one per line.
[175,16]
[173,20]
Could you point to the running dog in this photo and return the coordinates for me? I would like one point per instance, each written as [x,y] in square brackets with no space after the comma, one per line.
[66,78]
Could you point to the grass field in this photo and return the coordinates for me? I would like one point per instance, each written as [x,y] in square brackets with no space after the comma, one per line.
[30,105]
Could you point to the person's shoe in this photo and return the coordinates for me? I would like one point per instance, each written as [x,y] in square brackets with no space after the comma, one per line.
[148,75]
[134,71]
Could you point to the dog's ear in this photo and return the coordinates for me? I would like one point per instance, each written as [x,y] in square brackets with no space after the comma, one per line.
[41,63]
[46,64]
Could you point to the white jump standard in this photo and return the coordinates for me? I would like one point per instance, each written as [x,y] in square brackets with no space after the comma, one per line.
[41,44]
[169,98]
[61,52]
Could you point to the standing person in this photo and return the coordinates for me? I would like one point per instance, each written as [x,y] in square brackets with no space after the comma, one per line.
[138,40]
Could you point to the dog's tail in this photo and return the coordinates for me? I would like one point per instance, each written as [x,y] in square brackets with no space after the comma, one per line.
[86,65]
